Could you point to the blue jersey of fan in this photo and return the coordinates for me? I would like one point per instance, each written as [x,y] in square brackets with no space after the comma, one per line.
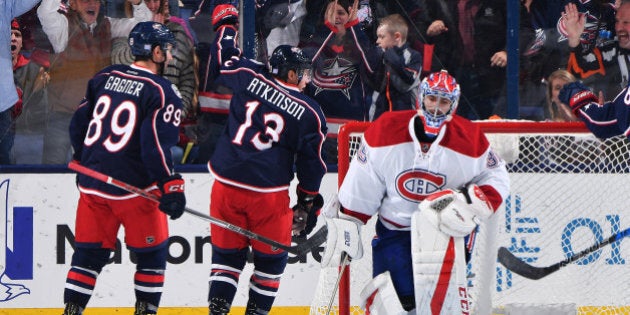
[125,128]
[271,126]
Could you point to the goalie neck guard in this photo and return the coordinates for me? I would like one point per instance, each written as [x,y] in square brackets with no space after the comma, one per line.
[439,97]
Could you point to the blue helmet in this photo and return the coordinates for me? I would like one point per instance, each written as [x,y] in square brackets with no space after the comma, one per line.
[146,35]
[285,58]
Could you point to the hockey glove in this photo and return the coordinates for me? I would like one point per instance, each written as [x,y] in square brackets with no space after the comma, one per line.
[305,213]
[173,200]
[576,95]
[224,14]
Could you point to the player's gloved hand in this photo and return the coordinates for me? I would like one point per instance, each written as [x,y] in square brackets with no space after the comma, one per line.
[173,200]
[305,213]
[576,95]
[224,14]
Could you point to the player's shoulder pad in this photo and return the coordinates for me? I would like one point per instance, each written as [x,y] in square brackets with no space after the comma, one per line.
[390,128]
[465,137]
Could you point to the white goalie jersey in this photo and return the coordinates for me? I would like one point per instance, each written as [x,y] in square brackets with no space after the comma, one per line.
[393,171]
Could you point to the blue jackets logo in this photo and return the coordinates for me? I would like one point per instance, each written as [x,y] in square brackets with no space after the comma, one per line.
[16,253]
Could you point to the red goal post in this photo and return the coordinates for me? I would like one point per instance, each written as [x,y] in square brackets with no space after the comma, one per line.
[568,190]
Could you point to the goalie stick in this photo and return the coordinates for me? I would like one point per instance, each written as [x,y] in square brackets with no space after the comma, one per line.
[516,265]
[300,249]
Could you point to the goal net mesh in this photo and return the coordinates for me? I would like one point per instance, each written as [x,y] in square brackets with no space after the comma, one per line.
[568,191]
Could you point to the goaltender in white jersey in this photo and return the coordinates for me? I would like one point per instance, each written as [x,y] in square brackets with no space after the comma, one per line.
[431,177]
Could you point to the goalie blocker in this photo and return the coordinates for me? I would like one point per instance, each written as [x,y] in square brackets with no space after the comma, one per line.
[344,236]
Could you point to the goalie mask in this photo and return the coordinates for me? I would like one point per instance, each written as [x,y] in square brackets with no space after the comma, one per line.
[439,96]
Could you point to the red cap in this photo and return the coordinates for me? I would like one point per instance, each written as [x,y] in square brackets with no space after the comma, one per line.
[15,25]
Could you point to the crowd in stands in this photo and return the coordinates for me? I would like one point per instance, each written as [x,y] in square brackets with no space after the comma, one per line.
[368,57]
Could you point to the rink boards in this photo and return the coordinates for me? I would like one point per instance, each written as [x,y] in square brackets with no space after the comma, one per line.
[39,212]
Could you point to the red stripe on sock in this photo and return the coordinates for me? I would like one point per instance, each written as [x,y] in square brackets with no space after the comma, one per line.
[149,278]
[268,283]
[81,278]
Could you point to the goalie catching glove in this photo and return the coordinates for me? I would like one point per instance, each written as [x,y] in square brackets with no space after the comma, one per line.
[305,213]
[457,213]
[173,200]
[344,236]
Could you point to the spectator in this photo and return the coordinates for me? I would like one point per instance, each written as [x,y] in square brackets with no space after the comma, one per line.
[263,144]
[398,77]
[594,58]
[343,58]
[29,122]
[410,10]
[470,42]
[214,98]
[8,90]
[81,39]
[534,61]
[556,110]
[285,31]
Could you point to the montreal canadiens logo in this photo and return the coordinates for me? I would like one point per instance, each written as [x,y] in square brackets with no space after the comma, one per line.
[415,185]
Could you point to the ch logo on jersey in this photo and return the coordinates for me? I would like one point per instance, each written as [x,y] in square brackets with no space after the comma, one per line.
[415,185]
[16,247]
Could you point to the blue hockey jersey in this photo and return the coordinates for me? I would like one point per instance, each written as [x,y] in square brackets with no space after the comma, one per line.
[271,126]
[125,127]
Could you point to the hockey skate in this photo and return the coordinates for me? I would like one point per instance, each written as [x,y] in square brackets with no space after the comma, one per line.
[72,309]
[144,308]
[219,306]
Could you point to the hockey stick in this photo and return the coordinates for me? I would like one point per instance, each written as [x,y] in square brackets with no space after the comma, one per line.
[516,265]
[302,248]
[345,261]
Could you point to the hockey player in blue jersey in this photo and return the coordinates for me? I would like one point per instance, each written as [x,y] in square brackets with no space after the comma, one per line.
[125,128]
[271,128]
[605,120]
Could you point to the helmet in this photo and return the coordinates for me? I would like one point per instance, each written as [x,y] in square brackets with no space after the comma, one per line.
[285,58]
[440,85]
[146,35]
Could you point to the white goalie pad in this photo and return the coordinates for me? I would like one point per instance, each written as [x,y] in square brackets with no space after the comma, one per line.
[439,267]
[378,297]
[344,236]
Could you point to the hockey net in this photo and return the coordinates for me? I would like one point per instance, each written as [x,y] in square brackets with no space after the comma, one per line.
[568,191]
